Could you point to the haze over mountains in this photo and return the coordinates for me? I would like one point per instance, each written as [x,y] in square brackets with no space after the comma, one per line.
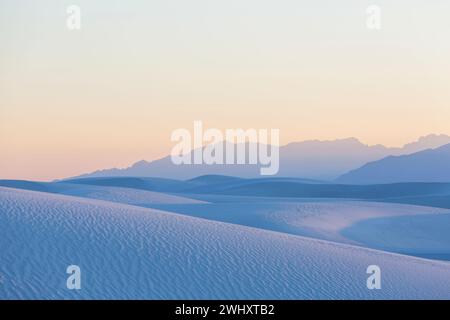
[313,159]
[432,165]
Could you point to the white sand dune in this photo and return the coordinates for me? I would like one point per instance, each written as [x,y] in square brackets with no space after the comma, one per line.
[121,195]
[331,221]
[388,226]
[130,252]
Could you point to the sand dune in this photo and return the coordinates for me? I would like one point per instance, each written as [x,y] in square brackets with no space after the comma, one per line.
[388,226]
[122,195]
[130,252]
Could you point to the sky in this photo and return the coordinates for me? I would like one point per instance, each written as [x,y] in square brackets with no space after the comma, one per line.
[111,93]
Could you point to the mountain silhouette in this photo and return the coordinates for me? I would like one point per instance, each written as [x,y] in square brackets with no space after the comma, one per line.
[432,165]
[313,159]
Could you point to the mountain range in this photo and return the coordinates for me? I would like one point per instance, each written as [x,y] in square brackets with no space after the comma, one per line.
[312,159]
[432,165]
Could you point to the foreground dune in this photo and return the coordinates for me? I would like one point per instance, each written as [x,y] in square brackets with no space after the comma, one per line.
[130,252]
[391,227]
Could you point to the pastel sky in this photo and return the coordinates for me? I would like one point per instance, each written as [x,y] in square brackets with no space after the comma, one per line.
[111,93]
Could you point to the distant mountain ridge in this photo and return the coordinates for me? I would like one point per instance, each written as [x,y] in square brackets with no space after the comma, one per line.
[432,165]
[312,159]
